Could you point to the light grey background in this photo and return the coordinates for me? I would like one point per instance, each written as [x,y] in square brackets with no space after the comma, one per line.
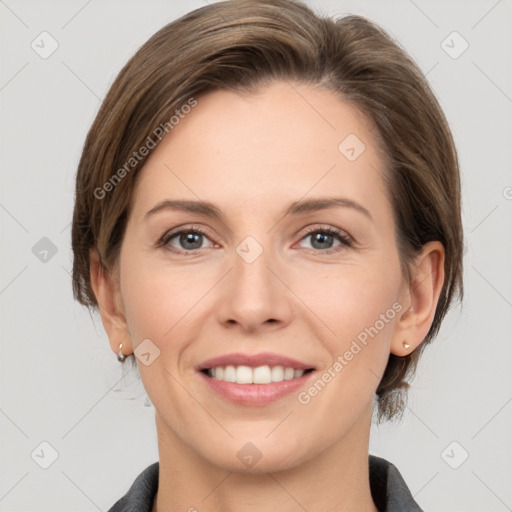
[58,375]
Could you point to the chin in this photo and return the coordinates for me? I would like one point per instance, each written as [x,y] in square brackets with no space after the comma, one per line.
[259,456]
[266,463]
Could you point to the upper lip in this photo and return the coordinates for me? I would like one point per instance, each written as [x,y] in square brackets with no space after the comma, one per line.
[254,360]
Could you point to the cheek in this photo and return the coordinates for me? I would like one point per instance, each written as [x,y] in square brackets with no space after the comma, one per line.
[360,305]
[338,304]
[362,310]
[354,298]
[156,298]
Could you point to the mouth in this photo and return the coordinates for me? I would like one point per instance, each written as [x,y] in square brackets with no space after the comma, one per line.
[254,380]
[259,375]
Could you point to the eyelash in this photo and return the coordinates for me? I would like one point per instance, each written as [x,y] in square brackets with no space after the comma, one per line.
[329,230]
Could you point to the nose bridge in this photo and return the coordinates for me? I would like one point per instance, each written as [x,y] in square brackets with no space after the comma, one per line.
[251,277]
[254,295]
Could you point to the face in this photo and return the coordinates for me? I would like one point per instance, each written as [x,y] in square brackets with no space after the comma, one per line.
[273,278]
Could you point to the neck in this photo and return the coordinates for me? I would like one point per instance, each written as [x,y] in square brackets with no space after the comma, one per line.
[334,480]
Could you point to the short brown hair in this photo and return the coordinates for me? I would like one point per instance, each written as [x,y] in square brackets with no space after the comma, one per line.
[239,46]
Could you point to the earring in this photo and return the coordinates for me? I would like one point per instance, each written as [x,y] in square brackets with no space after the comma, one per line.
[406,345]
[120,356]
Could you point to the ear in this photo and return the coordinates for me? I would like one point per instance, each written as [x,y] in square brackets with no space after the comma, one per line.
[420,299]
[108,296]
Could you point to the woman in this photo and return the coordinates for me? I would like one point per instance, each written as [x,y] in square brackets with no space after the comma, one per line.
[268,219]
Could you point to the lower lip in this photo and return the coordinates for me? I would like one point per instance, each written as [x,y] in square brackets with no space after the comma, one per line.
[255,394]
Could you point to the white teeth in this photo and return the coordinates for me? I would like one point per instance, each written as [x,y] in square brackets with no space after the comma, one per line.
[259,375]
[289,373]
[229,374]
[262,375]
[244,375]
[277,374]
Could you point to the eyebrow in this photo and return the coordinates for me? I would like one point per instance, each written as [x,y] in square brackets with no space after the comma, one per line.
[296,208]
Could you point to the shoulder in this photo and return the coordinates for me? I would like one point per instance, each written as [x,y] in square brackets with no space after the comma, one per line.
[141,494]
[389,490]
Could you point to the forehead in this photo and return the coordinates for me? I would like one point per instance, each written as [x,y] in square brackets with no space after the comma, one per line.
[279,144]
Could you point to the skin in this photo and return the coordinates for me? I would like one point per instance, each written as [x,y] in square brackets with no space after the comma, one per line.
[252,155]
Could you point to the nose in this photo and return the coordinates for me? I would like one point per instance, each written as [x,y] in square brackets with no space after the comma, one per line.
[254,295]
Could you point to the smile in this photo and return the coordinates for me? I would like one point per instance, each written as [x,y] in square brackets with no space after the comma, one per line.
[254,379]
[259,375]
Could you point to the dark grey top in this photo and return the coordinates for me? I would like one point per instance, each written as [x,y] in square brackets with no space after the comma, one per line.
[389,491]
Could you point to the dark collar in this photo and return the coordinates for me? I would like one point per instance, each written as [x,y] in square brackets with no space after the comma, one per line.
[389,491]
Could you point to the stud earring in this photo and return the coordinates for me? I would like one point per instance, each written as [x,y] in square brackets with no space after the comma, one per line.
[406,345]
[120,356]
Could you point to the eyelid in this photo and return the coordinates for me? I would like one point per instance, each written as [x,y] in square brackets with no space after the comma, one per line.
[345,239]
[326,228]
[185,228]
